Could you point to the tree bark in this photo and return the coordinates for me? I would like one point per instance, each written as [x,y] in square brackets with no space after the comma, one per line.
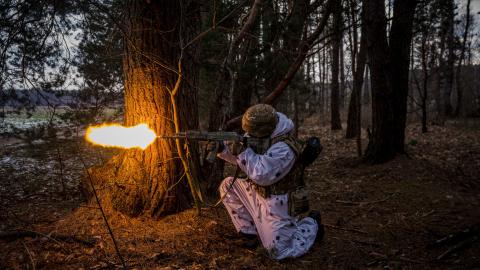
[380,146]
[367,87]
[389,67]
[148,182]
[399,52]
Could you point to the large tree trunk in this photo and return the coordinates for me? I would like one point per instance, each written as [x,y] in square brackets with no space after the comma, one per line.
[145,181]
[335,122]
[399,52]
[380,147]
[389,74]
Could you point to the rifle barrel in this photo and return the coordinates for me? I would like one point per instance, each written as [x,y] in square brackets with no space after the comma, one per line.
[204,136]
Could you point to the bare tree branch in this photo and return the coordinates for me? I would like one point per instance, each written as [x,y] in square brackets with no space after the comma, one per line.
[302,54]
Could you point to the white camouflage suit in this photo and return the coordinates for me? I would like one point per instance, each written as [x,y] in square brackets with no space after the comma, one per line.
[282,235]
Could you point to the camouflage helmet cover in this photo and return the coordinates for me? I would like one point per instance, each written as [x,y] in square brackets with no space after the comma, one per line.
[259,120]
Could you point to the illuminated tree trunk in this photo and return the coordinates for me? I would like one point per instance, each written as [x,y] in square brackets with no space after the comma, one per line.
[152,181]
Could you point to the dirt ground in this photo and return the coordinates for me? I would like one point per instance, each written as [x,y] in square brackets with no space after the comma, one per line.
[385,216]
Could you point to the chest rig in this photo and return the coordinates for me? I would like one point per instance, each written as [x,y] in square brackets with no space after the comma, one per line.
[293,183]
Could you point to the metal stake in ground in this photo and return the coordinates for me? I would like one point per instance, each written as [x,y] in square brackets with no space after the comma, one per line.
[101,209]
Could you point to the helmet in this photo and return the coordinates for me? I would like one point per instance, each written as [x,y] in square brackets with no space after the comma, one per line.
[259,120]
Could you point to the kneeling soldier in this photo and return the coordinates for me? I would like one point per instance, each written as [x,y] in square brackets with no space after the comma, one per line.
[268,202]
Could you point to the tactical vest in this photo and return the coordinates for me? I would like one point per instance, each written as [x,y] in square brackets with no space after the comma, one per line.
[293,183]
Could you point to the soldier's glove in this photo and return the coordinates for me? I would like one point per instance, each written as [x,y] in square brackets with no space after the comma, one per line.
[212,149]
[215,145]
[235,148]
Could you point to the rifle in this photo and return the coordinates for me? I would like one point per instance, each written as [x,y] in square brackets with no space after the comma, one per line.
[219,137]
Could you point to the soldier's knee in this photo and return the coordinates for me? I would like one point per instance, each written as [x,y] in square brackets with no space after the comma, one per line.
[225,185]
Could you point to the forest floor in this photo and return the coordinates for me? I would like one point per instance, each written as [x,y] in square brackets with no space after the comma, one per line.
[386,216]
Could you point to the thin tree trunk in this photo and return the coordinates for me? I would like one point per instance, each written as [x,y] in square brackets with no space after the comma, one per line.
[313,85]
[459,109]
[310,68]
[354,108]
[335,121]
[358,66]
[422,90]
[295,110]
[424,85]
[446,63]
[342,74]
[440,82]
[424,108]
[322,81]
[449,70]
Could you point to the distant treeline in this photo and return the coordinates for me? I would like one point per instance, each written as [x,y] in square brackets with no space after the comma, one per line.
[56,98]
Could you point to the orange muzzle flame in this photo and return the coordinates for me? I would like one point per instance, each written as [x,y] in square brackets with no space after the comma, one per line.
[115,135]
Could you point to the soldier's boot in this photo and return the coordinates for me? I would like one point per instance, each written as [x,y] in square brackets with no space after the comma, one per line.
[321,229]
[250,240]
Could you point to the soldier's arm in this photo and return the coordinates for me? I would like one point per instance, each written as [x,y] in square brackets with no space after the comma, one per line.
[227,156]
[268,168]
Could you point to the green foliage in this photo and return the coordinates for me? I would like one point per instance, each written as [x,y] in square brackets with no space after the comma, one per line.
[32,42]
[99,57]
[49,46]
